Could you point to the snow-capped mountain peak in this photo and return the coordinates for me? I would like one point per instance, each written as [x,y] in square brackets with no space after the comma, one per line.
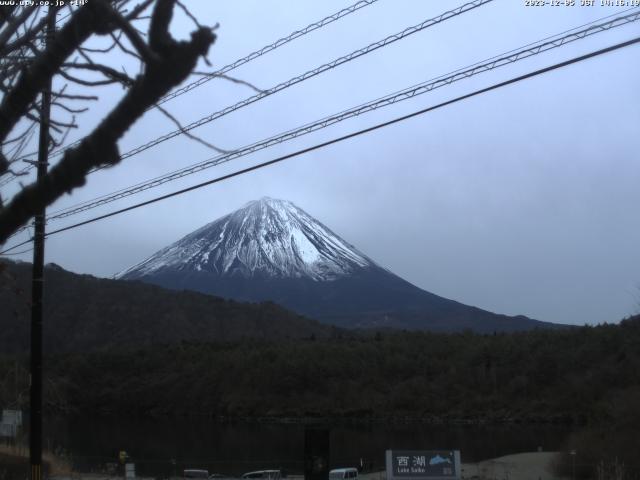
[265,238]
[271,250]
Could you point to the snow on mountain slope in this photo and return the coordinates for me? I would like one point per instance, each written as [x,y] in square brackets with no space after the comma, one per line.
[271,250]
[265,238]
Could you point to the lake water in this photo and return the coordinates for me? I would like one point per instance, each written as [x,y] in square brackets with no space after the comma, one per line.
[164,447]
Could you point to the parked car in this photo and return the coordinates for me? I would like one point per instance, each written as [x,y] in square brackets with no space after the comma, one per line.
[196,473]
[263,474]
[343,473]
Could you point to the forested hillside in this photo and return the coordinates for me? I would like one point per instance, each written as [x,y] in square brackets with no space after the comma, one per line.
[84,313]
[583,375]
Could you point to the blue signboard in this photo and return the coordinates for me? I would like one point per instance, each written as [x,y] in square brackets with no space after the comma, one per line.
[423,464]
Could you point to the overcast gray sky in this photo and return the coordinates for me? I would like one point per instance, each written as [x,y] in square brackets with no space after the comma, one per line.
[520,201]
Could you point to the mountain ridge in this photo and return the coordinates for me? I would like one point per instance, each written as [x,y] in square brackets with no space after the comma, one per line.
[86,313]
[273,250]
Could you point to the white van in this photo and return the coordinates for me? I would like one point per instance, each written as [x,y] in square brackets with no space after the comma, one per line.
[343,473]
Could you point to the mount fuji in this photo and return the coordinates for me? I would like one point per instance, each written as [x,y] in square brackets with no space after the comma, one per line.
[272,250]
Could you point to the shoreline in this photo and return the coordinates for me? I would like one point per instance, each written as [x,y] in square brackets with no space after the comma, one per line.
[519,466]
[560,420]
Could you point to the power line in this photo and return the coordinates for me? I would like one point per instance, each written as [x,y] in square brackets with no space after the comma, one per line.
[266,49]
[18,245]
[465,72]
[253,55]
[232,66]
[443,80]
[342,138]
[21,252]
[357,133]
[307,75]
[299,78]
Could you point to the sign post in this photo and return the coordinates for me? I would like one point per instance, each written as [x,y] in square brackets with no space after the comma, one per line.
[11,420]
[14,417]
[423,464]
[8,430]
[130,471]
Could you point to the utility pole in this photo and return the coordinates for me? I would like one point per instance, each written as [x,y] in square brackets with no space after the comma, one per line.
[37,282]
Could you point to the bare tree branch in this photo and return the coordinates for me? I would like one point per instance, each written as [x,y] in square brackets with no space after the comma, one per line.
[116,41]
[67,108]
[86,83]
[13,24]
[100,50]
[77,97]
[176,61]
[138,43]
[5,13]
[105,70]
[29,36]
[189,134]
[135,13]
[82,24]
[188,14]
[159,37]
[231,79]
